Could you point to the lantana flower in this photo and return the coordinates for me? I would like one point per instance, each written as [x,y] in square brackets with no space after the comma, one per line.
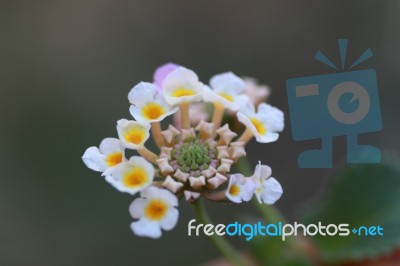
[268,190]
[195,158]
[182,85]
[161,73]
[148,104]
[226,92]
[133,134]
[257,93]
[108,155]
[264,125]
[156,210]
[132,176]
[240,188]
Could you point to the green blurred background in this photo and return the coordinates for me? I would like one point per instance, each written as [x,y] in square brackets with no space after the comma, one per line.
[66,68]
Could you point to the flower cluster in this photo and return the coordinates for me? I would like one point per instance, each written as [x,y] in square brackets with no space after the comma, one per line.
[196,153]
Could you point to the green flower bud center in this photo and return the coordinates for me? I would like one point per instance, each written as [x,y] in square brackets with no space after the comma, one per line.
[193,155]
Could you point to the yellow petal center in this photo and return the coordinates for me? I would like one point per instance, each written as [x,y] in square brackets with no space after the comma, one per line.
[114,158]
[258,125]
[234,190]
[183,92]
[153,111]
[156,210]
[227,96]
[135,178]
[135,136]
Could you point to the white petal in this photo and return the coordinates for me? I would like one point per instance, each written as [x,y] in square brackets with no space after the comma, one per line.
[94,159]
[265,171]
[125,126]
[136,209]
[119,171]
[143,227]
[182,78]
[272,116]
[267,138]
[163,194]
[227,82]
[272,191]
[142,93]
[170,219]
[110,145]
[248,189]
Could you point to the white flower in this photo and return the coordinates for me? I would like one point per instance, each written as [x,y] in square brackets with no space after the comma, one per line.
[264,124]
[155,211]
[182,85]
[108,155]
[131,176]
[148,105]
[268,189]
[133,134]
[240,188]
[227,90]
[257,93]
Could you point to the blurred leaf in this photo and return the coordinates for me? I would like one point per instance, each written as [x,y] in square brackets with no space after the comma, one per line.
[361,195]
[274,251]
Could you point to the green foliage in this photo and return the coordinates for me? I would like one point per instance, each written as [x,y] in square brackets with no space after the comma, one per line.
[273,251]
[361,195]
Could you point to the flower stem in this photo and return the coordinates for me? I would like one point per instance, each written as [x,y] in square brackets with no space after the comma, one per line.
[148,155]
[217,115]
[156,133]
[219,242]
[246,136]
[184,108]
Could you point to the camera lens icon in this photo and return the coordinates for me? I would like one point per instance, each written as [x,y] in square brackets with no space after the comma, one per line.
[358,92]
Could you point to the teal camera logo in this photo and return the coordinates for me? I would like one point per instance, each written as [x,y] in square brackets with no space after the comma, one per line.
[344,103]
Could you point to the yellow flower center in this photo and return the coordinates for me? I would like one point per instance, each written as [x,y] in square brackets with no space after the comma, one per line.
[258,125]
[153,111]
[135,178]
[234,190]
[114,158]
[156,210]
[183,92]
[227,96]
[135,136]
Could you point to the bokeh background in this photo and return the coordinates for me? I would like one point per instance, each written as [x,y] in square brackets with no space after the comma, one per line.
[66,68]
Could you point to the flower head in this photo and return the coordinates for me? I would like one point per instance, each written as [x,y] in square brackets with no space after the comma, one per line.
[194,160]
[197,151]
[148,104]
[108,155]
[155,210]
